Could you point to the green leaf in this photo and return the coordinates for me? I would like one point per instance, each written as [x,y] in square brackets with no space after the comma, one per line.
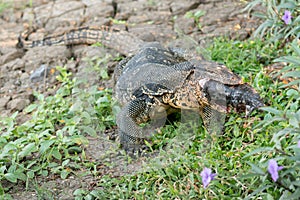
[14,115]
[257,191]
[294,74]
[65,162]
[104,74]
[30,108]
[44,173]
[56,154]
[199,13]
[11,177]
[8,148]
[256,169]
[294,82]
[294,122]
[44,146]
[294,196]
[1,191]
[78,192]
[74,150]
[292,92]
[87,117]
[64,173]
[79,140]
[21,175]
[288,59]
[90,131]
[272,110]
[31,164]
[259,150]
[292,31]
[27,150]
[2,169]
[296,183]
[30,174]
[295,44]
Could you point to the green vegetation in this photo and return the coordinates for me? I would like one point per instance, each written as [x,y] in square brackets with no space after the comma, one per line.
[53,141]
[196,16]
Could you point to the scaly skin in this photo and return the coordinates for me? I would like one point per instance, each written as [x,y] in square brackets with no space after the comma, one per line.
[122,41]
[199,85]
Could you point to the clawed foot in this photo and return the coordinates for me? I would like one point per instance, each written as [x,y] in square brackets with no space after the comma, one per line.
[135,150]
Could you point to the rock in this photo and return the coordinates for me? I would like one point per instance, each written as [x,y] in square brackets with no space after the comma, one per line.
[129,8]
[18,104]
[10,67]
[59,14]
[217,14]
[181,7]
[69,20]
[7,86]
[29,15]
[99,10]
[184,24]
[62,7]
[39,74]
[157,17]
[24,76]
[84,51]
[51,55]
[163,6]
[93,2]
[17,64]
[9,34]
[3,102]
[99,14]
[12,55]
[41,16]
[160,33]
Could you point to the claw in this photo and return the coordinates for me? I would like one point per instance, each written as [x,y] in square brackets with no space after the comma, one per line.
[249,110]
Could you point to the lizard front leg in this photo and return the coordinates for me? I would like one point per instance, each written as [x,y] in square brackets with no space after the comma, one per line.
[137,111]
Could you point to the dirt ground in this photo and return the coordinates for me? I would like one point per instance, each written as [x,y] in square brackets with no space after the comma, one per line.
[151,20]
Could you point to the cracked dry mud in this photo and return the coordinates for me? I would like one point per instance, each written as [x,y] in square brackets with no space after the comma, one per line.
[150,20]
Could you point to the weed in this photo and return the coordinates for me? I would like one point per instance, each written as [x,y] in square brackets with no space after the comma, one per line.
[54,137]
[274,23]
[196,16]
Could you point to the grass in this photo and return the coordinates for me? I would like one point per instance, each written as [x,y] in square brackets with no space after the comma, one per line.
[53,141]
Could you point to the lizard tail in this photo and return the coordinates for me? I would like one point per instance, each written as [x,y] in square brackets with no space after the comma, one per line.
[122,41]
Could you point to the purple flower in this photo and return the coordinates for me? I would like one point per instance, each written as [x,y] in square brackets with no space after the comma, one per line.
[273,169]
[287,17]
[207,176]
[298,145]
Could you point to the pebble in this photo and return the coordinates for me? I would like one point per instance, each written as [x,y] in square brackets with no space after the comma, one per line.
[18,104]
